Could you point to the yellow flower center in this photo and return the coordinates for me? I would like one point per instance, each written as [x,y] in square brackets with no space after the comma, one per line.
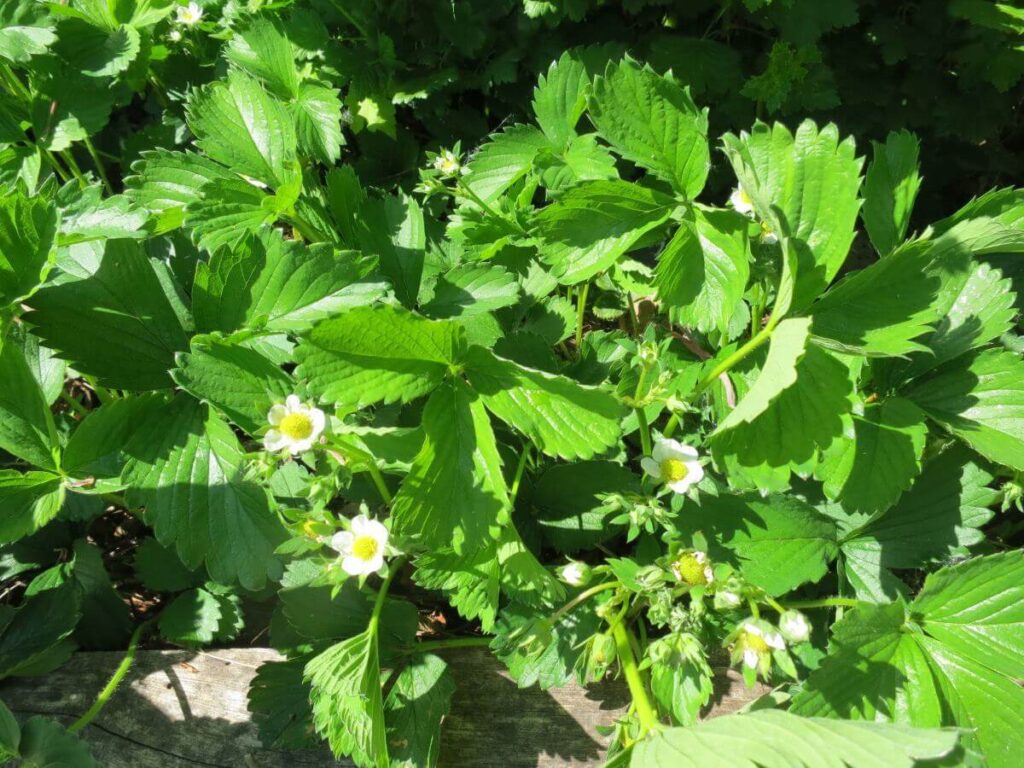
[754,643]
[690,569]
[296,426]
[673,470]
[365,547]
[744,197]
[766,230]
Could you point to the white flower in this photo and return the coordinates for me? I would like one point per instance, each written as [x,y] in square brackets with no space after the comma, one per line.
[447,162]
[295,426]
[362,547]
[174,35]
[674,464]
[575,573]
[693,568]
[794,626]
[190,14]
[741,202]
[757,643]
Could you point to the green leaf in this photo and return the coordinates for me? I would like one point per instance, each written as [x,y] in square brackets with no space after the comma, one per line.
[29,632]
[562,417]
[471,581]
[346,697]
[804,187]
[455,492]
[46,744]
[29,501]
[391,228]
[375,354]
[890,189]
[277,284]
[279,704]
[682,683]
[96,448]
[593,224]
[796,742]
[237,381]
[415,706]
[226,211]
[160,570]
[26,424]
[777,542]
[560,98]
[471,289]
[115,321]
[262,49]
[583,159]
[81,110]
[704,269]
[164,183]
[94,51]
[106,620]
[317,111]
[20,43]
[237,123]
[879,460]
[979,397]
[503,160]
[186,467]
[46,368]
[10,733]
[192,619]
[28,230]
[652,121]
[939,517]
[796,407]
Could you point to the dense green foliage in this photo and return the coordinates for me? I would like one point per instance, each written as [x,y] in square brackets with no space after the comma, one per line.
[327,318]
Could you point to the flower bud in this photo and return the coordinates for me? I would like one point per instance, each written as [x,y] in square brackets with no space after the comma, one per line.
[575,573]
[795,627]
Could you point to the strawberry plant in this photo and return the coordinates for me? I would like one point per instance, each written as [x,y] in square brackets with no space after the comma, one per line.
[553,397]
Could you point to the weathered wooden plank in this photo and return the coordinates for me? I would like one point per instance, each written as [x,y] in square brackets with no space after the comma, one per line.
[183,709]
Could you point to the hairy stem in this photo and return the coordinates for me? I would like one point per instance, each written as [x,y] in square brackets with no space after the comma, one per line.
[581,309]
[827,602]
[637,689]
[428,646]
[115,680]
[382,593]
[582,597]
[100,169]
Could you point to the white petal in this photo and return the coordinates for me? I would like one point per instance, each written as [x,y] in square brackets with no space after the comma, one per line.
[342,542]
[298,446]
[752,629]
[358,525]
[293,403]
[276,413]
[750,658]
[376,530]
[319,422]
[709,575]
[662,449]
[355,566]
[682,486]
[274,441]
[651,467]
[375,563]
[774,640]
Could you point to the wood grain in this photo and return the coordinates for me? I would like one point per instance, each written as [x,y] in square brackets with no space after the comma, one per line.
[182,709]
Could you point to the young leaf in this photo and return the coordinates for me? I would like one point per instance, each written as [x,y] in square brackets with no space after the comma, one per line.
[805,188]
[890,189]
[652,121]
[595,223]
[237,123]
[374,354]
[116,321]
[346,697]
[414,709]
[979,397]
[503,160]
[455,492]
[186,467]
[562,418]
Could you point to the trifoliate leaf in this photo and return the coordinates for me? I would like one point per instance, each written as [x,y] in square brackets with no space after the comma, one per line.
[682,682]
[237,381]
[26,424]
[186,467]
[277,284]
[117,321]
[799,742]
[346,697]
[593,224]
[28,230]
[979,397]
[30,500]
[562,418]
[415,706]
[374,354]
[455,492]
[777,542]
[804,186]
[503,160]
[890,189]
[560,98]
[703,270]
[237,123]
[652,121]
[879,459]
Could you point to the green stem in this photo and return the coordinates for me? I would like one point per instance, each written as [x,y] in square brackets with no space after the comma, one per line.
[733,360]
[520,468]
[14,84]
[378,480]
[827,602]
[581,309]
[670,425]
[469,193]
[62,173]
[644,709]
[382,593]
[76,406]
[428,646]
[582,597]
[641,417]
[69,158]
[115,680]
[100,169]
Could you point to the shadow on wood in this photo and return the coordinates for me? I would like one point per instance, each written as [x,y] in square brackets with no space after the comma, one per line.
[182,709]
